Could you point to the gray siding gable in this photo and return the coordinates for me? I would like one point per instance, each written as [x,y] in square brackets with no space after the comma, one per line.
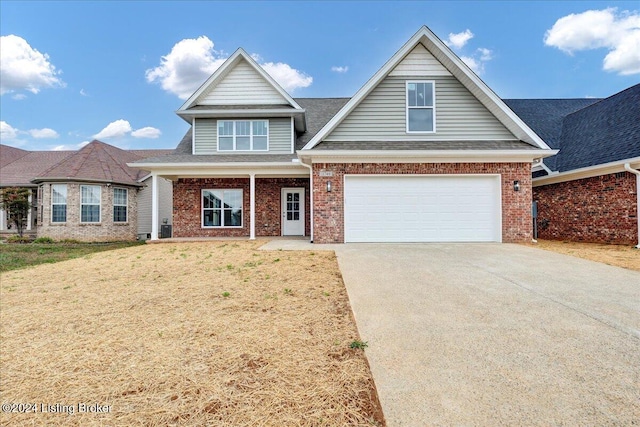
[381,116]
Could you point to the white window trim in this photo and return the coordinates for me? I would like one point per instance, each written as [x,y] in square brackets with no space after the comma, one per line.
[433,108]
[126,205]
[66,196]
[222,209]
[235,136]
[91,204]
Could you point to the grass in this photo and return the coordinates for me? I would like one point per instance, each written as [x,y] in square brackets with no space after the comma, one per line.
[170,340]
[17,256]
[625,256]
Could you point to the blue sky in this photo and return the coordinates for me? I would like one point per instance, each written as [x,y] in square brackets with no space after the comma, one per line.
[117,71]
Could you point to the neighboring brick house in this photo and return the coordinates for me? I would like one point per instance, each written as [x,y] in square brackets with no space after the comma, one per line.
[87,195]
[423,152]
[589,191]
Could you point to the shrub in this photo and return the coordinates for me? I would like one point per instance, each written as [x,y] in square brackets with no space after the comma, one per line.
[43,240]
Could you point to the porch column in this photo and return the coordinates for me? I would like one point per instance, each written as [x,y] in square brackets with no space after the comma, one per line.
[252,203]
[29,212]
[154,207]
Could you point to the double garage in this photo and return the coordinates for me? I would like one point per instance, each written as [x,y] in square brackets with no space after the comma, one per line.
[422,208]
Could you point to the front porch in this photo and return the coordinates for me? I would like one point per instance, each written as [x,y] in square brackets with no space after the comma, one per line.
[239,207]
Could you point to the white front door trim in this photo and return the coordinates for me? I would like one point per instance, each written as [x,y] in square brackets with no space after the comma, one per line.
[292,226]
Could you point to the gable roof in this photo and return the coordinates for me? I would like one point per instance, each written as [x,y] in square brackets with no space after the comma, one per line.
[455,66]
[215,78]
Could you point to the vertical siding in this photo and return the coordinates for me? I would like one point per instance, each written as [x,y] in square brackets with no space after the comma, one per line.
[382,115]
[279,136]
[242,85]
[165,204]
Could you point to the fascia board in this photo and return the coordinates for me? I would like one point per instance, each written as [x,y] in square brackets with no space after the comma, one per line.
[587,172]
[422,156]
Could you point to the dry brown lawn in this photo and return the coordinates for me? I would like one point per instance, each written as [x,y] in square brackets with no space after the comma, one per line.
[215,333]
[625,256]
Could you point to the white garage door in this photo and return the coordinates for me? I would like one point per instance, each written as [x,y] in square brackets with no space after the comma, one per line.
[396,208]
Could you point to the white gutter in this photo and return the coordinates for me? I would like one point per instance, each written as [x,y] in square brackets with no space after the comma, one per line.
[628,168]
[310,198]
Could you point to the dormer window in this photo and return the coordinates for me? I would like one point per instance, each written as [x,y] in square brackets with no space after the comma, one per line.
[421,107]
[243,135]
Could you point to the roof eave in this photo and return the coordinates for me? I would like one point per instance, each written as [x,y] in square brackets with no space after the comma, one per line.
[586,172]
[298,114]
[38,180]
[423,156]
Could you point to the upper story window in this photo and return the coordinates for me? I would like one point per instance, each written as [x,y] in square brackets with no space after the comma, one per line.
[421,106]
[120,199]
[59,203]
[90,196]
[243,135]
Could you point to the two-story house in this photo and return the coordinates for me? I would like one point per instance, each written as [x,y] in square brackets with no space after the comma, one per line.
[423,152]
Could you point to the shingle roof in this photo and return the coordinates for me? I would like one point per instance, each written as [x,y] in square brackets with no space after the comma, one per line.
[21,171]
[604,132]
[587,131]
[545,117]
[10,154]
[318,112]
[97,160]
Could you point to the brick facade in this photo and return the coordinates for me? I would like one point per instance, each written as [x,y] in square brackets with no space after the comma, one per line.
[329,207]
[104,231]
[599,209]
[187,206]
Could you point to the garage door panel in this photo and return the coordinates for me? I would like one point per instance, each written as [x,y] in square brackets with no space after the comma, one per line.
[400,208]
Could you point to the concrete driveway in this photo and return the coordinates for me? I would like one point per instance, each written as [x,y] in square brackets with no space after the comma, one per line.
[496,334]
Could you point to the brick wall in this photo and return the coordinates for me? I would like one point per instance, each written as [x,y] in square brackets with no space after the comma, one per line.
[187,203]
[329,207]
[104,231]
[598,209]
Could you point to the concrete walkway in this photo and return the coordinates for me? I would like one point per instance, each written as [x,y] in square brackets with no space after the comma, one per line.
[494,334]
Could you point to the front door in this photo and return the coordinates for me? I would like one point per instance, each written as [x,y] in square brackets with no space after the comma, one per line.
[293,212]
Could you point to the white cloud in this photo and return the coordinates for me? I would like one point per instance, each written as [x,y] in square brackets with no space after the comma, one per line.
[146,132]
[83,92]
[116,129]
[7,132]
[341,69]
[192,61]
[594,29]
[458,40]
[69,147]
[475,65]
[43,133]
[289,78]
[25,68]
[485,54]
[19,96]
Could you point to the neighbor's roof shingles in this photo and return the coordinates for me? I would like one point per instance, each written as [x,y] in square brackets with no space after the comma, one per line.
[96,160]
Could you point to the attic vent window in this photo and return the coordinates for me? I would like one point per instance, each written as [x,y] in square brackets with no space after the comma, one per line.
[421,106]
[243,135]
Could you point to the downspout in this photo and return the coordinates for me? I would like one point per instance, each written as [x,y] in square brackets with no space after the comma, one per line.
[628,168]
[310,197]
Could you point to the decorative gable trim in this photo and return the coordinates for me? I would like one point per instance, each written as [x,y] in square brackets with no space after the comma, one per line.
[451,62]
[228,66]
